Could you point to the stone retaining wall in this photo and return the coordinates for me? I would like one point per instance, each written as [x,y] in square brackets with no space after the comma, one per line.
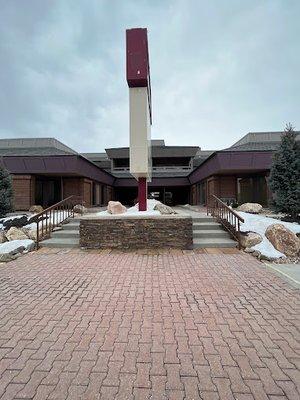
[136,232]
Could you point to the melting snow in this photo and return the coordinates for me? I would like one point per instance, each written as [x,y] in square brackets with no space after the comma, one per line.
[135,210]
[258,223]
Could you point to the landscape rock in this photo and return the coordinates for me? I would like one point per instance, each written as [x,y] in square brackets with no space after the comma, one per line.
[256,253]
[115,207]
[283,239]
[252,208]
[16,222]
[250,239]
[2,237]
[249,250]
[15,234]
[79,209]
[36,209]
[11,250]
[163,209]
[30,233]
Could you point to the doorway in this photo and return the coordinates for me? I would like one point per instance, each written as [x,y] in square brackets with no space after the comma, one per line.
[47,191]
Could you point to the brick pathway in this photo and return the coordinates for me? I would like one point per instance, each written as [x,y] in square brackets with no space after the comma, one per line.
[177,325]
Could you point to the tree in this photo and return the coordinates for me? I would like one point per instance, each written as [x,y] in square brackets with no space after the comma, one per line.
[6,192]
[285,174]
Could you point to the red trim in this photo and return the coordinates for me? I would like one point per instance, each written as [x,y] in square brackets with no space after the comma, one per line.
[142,194]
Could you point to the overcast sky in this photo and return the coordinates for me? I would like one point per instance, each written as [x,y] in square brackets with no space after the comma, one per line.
[219,69]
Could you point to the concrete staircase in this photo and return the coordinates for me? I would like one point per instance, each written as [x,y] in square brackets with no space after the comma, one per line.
[209,233]
[206,233]
[67,237]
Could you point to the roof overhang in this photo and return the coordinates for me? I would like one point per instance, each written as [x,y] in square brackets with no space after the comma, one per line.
[56,165]
[232,162]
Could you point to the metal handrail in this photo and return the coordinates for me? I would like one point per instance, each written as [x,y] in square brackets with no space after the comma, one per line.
[54,216]
[229,218]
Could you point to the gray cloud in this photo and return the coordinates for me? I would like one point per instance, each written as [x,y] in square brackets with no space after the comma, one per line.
[219,69]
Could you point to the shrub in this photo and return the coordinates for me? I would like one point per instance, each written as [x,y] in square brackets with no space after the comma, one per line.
[6,192]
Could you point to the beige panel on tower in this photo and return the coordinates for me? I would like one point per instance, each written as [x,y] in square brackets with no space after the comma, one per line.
[140,134]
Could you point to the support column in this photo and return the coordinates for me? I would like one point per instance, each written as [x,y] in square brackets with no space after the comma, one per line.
[142,195]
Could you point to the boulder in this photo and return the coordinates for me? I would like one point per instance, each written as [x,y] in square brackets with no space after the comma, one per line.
[16,222]
[283,239]
[30,233]
[249,250]
[11,250]
[15,234]
[2,237]
[115,207]
[250,239]
[79,209]
[252,208]
[256,253]
[36,209]
[163,209]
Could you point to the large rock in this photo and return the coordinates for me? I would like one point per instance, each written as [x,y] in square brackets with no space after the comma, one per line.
[11,250]
[283,239]
[252,208]
[16,222]
[36,209]
[163,209]
[250,239]
[2,237]
[15,234]
[30,233]
[115,207]
[79,209]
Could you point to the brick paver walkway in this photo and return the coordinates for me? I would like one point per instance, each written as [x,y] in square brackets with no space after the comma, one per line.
[178,325]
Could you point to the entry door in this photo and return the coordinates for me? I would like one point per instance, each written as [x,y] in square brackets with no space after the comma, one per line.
[47,192]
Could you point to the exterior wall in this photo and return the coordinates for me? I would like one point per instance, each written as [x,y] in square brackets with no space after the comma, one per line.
[213,187]
[84,188]
[227,187]
[87,192]
[136,233]
[24,192]
[72,186]
[193,197]
[224,187]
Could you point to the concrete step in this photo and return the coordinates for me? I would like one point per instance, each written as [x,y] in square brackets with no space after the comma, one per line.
[208,226]
[66,233]
[215,233]
[214,242]
[71,226]
[203,219]
[65,243]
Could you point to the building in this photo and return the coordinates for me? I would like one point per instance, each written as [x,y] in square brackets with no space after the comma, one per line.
[171,166]
[239,173]
[45,171]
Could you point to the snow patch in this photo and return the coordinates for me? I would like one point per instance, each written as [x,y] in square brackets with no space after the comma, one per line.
[135,210]
[259,224]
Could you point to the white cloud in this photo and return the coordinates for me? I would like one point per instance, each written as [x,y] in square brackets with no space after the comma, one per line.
[218,69]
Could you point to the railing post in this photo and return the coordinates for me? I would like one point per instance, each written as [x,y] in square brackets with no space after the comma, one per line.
[37,235]
[239,235]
